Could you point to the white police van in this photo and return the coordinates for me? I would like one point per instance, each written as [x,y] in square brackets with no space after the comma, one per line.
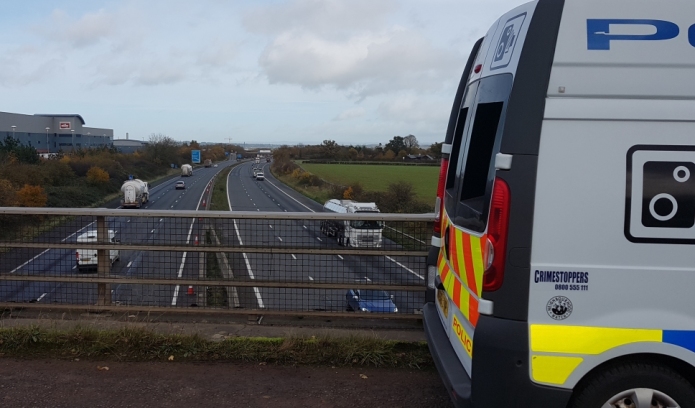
[563,260]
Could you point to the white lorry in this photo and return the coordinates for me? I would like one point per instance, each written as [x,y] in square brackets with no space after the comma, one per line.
[135,193]
[186,170]
[356,233]
[561,272]
[86,259]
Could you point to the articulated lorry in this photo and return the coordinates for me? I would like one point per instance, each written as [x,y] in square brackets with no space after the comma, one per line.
[135,193]
[208,163]
[356,233]
[186,170]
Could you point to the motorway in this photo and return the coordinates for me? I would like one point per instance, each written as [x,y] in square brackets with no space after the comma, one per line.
[244,194]
[271,195]
[61,262]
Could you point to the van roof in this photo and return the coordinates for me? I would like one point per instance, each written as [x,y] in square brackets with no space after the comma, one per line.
[92,235]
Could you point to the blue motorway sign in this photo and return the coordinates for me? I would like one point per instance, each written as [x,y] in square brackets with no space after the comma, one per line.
[195,156]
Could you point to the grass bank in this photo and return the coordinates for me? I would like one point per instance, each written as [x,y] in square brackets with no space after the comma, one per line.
[378,177]
[135,344]
[219,191]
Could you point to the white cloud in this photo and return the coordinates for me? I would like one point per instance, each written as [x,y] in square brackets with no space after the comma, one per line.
[349,45]
[327,17]
[81,32]
[353,113]
[411,108]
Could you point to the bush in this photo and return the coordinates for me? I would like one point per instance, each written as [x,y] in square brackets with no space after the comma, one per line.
[97,176]
[32,196]
[8,195]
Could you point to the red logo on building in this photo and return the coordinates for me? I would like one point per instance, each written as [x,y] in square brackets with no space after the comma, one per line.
[65,125]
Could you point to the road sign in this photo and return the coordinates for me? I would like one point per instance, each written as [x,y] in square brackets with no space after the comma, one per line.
[195,156]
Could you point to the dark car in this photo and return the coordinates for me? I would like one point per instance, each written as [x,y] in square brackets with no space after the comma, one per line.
[180,185]
[368,300]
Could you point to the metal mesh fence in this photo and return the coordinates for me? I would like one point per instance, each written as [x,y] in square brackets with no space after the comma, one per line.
[254,262]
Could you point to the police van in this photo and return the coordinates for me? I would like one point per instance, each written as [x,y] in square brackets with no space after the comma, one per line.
[562,269]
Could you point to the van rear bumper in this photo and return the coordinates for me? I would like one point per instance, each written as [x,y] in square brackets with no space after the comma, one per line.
[455,377]
[500,364]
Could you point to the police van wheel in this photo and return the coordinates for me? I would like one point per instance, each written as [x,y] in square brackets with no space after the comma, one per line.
[636,385]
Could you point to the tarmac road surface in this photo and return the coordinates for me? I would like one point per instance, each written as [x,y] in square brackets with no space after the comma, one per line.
[76,384]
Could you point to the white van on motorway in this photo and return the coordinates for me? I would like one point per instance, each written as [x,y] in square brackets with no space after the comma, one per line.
[86,259]
[562,267]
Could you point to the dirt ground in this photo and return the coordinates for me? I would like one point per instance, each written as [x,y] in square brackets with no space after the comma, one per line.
[74,384]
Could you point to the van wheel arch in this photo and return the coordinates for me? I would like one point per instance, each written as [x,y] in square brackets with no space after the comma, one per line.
[658,361]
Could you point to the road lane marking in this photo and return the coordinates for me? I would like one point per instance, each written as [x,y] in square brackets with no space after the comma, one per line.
[183,258]
[280,239]
[304,226]
[310,278]
[368,280]
[74,267]
[271,227]
[319,239]
[248,267]
[283,192]
[405,267]
[340,257]
[27,262]
[129,263]
[294,257]
[151,231]
[41,297]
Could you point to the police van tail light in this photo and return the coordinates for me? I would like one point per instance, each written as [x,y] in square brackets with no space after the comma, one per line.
[498,226]
[439,201]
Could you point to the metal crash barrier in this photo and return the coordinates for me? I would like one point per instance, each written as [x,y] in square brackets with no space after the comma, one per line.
[214,262]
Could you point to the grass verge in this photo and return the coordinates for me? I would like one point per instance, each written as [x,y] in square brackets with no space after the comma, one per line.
[219,191]
[378,177]
[135,344]
[216,296]
[318,194]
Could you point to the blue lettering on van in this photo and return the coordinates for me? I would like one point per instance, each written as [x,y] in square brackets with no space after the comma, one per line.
[691,35]
[599,36]
[560,277]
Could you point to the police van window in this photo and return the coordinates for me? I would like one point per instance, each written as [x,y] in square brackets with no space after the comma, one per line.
[451,188]
[477,171]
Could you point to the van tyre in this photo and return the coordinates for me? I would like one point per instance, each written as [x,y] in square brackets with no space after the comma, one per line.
[635,385]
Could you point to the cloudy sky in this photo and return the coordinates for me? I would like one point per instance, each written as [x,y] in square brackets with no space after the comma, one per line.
[274,71]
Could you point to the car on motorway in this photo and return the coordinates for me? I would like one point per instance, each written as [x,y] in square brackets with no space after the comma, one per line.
[255,172]
[214,165]
[86,259]
[180,185]
[260,176]
[370,300]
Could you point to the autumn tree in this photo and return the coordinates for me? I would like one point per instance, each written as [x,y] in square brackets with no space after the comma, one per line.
[389,155]
[97,176]
[8,194]
[32,196]
[329,148]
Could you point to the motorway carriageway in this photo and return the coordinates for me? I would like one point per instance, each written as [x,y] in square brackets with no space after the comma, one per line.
[247,194]
[61,262]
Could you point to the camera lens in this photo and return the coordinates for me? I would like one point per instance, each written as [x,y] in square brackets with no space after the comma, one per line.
[662,202]
[681,174]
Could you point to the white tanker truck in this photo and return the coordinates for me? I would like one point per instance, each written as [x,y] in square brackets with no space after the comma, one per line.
[135,193]
[186,170]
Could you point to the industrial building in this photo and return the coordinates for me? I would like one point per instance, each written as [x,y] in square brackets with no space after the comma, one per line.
[51,133]
[129,145]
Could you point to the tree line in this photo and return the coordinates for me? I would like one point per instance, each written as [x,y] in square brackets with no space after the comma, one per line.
[396,149]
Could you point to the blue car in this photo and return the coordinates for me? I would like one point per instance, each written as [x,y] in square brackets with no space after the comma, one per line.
[367,300]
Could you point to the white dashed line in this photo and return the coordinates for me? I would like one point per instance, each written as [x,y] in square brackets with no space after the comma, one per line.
[319,239]
[280,239]
[129,263]
[405,267]
[27,262]
[294,257]
[340,257]
[271,227]
[368,280]
[41,297]
[310,278]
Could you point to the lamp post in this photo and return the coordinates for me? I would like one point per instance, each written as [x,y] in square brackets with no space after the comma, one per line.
[13,129]
[88,139]
[48,146]
[73,140]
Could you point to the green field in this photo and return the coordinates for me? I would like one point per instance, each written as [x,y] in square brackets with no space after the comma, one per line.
[378,177]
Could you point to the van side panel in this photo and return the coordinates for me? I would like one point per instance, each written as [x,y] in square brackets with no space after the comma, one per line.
[614,139]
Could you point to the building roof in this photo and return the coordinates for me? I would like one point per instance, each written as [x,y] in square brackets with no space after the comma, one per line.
[62,115]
